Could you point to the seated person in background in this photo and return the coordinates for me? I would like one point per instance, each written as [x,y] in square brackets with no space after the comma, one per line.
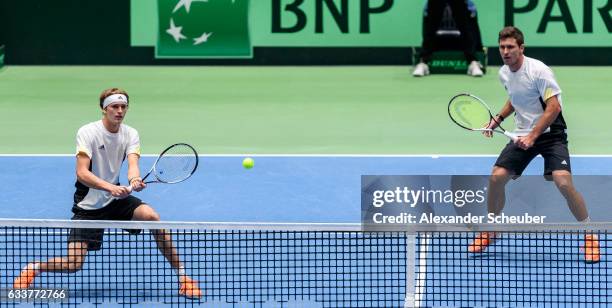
[464,15]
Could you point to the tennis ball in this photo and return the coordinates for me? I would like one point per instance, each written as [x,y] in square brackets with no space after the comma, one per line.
[248,163]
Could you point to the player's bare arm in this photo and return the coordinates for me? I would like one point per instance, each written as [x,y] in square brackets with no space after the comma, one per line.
[505,112]
[91,180]
[134,172]
[553,108]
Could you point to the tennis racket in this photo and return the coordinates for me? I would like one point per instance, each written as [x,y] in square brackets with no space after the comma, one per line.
[471,113]
[174,165]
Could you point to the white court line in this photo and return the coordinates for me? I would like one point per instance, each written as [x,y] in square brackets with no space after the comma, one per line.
[321,155]
[415,284]
[421,279]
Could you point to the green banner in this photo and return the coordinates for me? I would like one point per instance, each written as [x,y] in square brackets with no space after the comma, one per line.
[337,23]
[203,29]
[550,23]
[353,23]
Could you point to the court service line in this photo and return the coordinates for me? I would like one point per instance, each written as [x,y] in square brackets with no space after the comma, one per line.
[324,155]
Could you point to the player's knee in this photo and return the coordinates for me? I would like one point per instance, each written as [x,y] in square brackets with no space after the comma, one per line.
[497,180]
[563,182]
[564,186]
[145,213]
[151,216]
[499,175]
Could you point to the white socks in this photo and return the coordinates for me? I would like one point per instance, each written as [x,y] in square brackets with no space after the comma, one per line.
[180,271]
[586,220]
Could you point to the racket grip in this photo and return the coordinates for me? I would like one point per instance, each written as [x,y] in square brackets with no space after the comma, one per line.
[129,188]
[511,136]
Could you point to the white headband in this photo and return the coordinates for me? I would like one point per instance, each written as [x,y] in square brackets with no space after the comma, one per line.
[115,98]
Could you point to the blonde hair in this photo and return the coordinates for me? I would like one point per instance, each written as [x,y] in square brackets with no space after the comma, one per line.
[108,92]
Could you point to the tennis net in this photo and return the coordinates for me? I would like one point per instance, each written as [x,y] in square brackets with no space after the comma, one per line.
[310,265]
[282,265]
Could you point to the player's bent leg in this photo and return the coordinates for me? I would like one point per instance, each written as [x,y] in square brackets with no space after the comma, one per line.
[163,239]
[496,192]
[496,196]
[73,262]
[577,205]
[575,201]
[188,287]
[145,212]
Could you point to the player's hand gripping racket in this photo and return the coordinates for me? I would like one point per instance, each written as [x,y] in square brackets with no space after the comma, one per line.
[175,164]
[471,113]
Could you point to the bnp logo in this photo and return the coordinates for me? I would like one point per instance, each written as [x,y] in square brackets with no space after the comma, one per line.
[203,29]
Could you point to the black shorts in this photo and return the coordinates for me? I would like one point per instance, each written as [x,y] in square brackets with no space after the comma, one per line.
[552,147]
[121,209]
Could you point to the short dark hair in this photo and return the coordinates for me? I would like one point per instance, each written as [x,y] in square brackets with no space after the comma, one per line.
[108,92]
[512,32]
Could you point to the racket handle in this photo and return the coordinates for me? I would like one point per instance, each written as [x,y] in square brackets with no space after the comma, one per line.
[129,188]
[511,136]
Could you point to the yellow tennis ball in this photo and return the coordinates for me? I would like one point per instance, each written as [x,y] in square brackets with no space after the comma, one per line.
[248,163]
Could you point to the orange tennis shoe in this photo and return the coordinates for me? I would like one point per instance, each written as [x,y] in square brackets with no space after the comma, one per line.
[591,248]
[189,288]
[26,277]
[481,242]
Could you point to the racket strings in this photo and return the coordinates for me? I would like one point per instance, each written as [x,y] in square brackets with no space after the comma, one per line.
[176,164]
[469,113]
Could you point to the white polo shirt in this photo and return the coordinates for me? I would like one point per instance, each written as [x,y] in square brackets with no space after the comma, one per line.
[528,89]
[107,152]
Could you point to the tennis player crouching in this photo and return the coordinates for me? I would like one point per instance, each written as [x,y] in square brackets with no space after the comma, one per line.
[535,100]
[101,148]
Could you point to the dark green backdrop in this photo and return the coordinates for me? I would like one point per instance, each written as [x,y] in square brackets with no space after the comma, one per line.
[98,32]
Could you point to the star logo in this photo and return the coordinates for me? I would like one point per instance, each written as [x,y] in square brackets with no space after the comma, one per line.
[176,31]
[202,39]
[203,29]
[186,4]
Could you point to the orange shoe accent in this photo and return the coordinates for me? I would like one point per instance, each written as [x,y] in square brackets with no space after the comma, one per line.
[26,277]
[591,249]
[189,288]
[481,242]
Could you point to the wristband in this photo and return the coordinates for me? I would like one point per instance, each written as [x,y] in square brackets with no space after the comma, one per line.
[501,118]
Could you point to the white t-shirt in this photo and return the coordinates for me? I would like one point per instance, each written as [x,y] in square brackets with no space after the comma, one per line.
[528,89]
[107,152]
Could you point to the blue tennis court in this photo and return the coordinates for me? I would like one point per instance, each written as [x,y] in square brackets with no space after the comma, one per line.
[279,188]
[310,189]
